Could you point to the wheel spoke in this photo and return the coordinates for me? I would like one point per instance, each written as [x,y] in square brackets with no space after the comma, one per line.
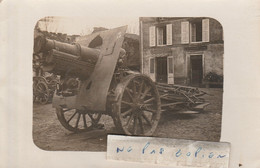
[46,97]
[127,103]
[84,121]
[141,88]
[135,125]
[77,123]
[150,110]
[66,110]
[91,117]
[72,117]
[147,119]
[129,120]
[128,92]
[141,124]
[134,87]
[93,120]
[125,113]
[41,91]
[145,92]
[149,100]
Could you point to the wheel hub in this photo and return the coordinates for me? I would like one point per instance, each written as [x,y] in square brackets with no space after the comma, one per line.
[137,106]
[82,111]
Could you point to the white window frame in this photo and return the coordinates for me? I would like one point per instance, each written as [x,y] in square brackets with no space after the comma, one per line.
[204,39]
[157,36]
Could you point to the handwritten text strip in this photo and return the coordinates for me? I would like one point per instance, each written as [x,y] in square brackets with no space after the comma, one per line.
[168,151]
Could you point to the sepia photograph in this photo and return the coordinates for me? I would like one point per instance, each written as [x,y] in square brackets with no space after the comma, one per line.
[147,76]
[109,83]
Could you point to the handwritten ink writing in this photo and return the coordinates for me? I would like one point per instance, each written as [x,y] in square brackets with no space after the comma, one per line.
[153,151]
[221,156]
[198,150]
[146,146]
[161,150]
[129,149]
[119,150]
[178,153]
[211,155]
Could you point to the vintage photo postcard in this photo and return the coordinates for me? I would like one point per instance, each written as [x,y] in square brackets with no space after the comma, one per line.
[157,76]
[109,83]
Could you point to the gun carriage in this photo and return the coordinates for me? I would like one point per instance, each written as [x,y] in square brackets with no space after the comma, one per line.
[95,81]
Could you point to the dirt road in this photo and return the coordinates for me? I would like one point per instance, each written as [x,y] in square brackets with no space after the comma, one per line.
[48,134]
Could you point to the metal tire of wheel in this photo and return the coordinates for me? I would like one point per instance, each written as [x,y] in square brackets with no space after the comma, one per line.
[138,107]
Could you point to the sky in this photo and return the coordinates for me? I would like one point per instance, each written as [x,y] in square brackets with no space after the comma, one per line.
[84,26]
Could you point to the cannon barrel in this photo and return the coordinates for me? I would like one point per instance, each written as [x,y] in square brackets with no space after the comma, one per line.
[67,59]
[42,44]
[60,63]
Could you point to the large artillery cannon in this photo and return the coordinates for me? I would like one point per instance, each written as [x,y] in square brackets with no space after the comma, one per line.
[94,81]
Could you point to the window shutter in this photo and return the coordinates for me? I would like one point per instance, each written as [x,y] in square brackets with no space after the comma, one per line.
[184,32]
[205,30]
[169,34]
[152,36]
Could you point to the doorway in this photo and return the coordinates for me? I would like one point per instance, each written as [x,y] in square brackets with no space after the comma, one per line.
[196,70]
[161,70]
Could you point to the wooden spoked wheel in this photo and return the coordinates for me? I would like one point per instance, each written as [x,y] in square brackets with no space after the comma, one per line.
[77,120]
[138,108]
[42,92]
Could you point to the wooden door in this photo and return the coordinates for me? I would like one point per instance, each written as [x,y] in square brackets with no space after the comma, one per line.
[196,70]
[161,70]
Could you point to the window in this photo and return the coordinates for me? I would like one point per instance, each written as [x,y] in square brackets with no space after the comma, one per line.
[161,35]
[196,31]
[151,65]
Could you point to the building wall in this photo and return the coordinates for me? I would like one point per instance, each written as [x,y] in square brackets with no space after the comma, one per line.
[212,50]
[216,31]
[180,63]
[214,59]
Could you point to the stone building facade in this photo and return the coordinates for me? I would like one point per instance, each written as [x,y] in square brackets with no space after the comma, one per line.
[181,51]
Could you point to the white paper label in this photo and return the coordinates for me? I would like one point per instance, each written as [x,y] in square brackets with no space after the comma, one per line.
[166,151]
